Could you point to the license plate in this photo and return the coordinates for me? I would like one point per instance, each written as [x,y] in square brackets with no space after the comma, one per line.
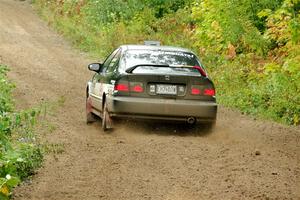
[166,89]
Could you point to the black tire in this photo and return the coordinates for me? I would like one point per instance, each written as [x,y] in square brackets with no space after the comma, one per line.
[106,119]
[90,117]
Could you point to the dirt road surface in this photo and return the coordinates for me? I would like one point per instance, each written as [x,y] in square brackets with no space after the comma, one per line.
[243,159]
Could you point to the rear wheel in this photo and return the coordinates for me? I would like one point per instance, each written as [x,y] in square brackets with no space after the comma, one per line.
[106,119]
[90,117]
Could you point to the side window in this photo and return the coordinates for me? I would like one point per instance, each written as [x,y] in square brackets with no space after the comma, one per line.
[108,60]
[114,62]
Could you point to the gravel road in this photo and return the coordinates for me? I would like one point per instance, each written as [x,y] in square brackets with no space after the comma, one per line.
[244,158]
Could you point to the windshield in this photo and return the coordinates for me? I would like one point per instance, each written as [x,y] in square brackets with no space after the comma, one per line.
[175,59]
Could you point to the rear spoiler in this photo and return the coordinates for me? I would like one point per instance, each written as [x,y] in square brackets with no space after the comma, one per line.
[200,69]
[130,69]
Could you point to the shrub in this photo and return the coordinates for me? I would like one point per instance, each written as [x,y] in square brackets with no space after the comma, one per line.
[19,153]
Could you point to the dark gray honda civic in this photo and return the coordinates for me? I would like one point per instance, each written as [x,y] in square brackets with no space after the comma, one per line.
[150,82]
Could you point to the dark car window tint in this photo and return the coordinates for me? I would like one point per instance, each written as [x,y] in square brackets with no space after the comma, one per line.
[108,60]
[112,65]
[160,57]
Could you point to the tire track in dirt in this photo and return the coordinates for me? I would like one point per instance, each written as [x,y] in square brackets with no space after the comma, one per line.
[137,160]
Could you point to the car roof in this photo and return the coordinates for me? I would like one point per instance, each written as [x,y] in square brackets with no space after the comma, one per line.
[150,47]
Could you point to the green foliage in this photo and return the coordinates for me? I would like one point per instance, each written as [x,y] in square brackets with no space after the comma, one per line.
[6,184]
[163,7]
[231,22]
[272,93]
[5,102]
[104,12]
[19,154]
[283,24]
[250,47]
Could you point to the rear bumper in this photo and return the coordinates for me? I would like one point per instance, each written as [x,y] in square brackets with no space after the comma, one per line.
[166,109]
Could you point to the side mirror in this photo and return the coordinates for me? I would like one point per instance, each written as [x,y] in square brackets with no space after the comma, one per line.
[96,67]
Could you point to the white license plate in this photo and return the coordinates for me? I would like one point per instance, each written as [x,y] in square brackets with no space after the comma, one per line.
[166,89]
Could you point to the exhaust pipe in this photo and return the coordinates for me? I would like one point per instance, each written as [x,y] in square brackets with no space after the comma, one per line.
[191,120]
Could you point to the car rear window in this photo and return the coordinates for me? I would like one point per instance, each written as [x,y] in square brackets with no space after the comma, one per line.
[177,61]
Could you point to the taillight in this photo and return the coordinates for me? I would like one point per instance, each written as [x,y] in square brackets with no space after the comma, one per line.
[195,90]
[209,92]
[138,88]
[198,90]
[122,87]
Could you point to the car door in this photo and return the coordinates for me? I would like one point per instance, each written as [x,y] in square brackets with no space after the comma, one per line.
[99,83]
[111,73]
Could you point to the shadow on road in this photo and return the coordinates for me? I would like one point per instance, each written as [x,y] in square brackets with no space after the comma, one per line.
[163,128]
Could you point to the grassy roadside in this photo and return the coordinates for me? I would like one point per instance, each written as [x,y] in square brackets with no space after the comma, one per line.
[20,151]
[251,50]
